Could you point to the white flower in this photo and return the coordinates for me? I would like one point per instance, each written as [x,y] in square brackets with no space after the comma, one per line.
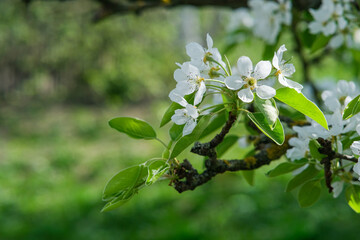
[337,188]
[355,147]
[284,70]
[187,116]
[200,56]
[177,97]
[356,169]
[323,18]
[188,80]
[299,150]
[339,97]
[249,80]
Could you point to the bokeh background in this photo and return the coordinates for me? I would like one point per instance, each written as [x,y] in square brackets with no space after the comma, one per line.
[62,77]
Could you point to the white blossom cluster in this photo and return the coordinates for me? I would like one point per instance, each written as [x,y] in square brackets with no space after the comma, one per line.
[206,73]
[334,18]
[265,18]
[335,101]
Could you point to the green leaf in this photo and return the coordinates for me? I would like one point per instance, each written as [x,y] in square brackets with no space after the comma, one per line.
[309,193]
[299,102]
[187,140]
[249,176]
[133,127]
[216,122]
[309,173]
[124,182]
[352,108]
[227,143]
[175,131]
[353,197]
[117,202]
[156,168]
[268,108]
[171,109]
[320,42]
[276,134]
[268,51]
[283,168]
[307,38]
[314,150]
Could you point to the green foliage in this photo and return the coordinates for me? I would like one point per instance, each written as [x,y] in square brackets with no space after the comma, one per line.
[309,193]
[307,174]
[353,197]
[268,108]
[320,42]
[226,144]
[352,108]
[314,150]
[283,168]
[133,127]
[276,134]
[299,102]
[216,122]
[187,140]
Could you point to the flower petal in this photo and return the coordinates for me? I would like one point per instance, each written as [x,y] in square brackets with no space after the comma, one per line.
[246,95]
[276,61]
[330,28]
[200,93]
[195,50]
[356,168]
[185,88]
[176,97]
[189,127]
[265,92]
[234,82]
[180,117]
[355,147]
[179,75]
[291,84]
[262,69]
[192,111]
[288,70]
[209,41]
[245,66]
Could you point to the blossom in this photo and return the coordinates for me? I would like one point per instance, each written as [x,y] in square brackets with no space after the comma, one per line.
[323,18]
[355,147]
[249,80]
[299,150]
[284,70]
[337,188]
[189,80]
[187,116]
[339,97]
[202,57]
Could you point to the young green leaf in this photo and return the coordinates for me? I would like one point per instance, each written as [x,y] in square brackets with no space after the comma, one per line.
[133,127]
[283,168]
[352,108]
[353,197]
[175,131]
[314,150]
[187,140]
[118,201]
[309,193]
[124,181]
[320,42]
[276,134]
[227,143]
[171,109]
[249,176]
[309,173]
[216,122]
[299,102]
[268,108]
[156,169]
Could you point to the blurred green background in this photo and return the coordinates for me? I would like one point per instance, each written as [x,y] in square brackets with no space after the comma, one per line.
[63,77]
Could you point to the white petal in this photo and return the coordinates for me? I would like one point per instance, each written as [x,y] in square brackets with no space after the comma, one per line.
[337,188]
[200,93]
[276,62]
[189,127]
[180,117]
[288,70]
[315,27]
[336,41]
[265,92]
[209,41]
[280,52]
[292,84]
[356,168]
[355,147]
[245,66]
[330,28]
[192,111]
[234,82]
[176,97]
[179,75]
[246,95]
[185,88]
[358,129]
[262,69]
[195,50]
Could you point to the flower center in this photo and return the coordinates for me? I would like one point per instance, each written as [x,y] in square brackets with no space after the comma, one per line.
[250,82]
[213,73]
[207,57]
[278,73]
[199,80]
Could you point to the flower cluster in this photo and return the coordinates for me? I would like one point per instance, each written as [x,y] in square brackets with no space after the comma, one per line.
[340,133]
[335,19]
[264,18]
[206,73]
